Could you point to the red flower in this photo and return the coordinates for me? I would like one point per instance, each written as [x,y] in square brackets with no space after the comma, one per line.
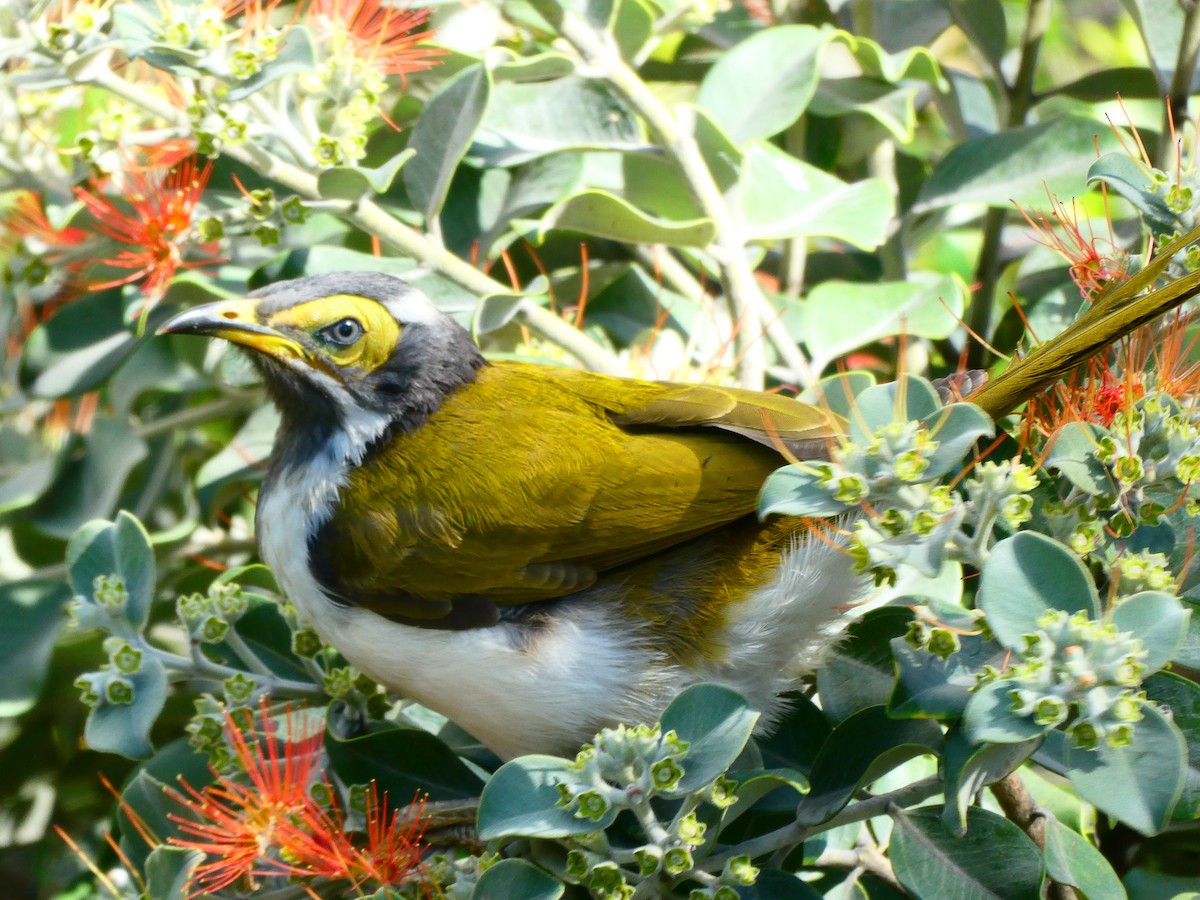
[384,37]
[153,222]
[234,823]
[1095,262]
[26,219]
[272,826]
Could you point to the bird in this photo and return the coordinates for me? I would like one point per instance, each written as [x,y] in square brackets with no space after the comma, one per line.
[538,552]
[534,551]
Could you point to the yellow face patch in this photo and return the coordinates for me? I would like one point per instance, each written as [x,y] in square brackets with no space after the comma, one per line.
[320,320]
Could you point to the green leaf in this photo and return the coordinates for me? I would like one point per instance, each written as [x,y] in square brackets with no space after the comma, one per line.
[32,613]
[114,548]
[1019,165]
[837,393]
[1139,784]
[797,740]
[1158,620]
[1182,697]
[956,428]
[1161,24]
[511,878]
[295,55]
[521,799]
[860,749]
[169,872]
[775,884]
[795,490]
[1102,85]
[404,762]
[984,23]
[77,348]
[989,717]
[994,860]
[783,197]
[1133,181]
[1073,453]
[243,460]
[353,182]
[442,135]
[860,671]
[124,728]
[533,187]
[632,26]
[1027,575]
[28,467]
[90,485]
[841,316]
[538,67]
[970,767]
[907,399]
[608,216]
[753,786]
[782,64]
[527,120]
[716,722]
[1071,859]
[928,686]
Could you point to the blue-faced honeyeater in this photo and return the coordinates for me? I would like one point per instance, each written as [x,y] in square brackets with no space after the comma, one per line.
[534,551]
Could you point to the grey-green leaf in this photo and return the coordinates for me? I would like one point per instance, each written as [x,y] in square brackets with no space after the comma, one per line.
[1026,576]
[994,860]
[510,878]
[1072,859]
[442,135]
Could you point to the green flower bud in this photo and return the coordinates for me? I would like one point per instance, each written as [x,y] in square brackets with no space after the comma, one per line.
[238,689]
[109,591]
[1049,711]
[1128,707]
[338,683]
[691,830]
[724,892]
[723,792]
[1084,734]
[666,774]
[212,630]
[1120,736]
[293,211]
[1188,467]
[648,859]
[268,235]
[1017,509]
[177,34]
[851,489]
[326,152]
[356,798]
[119,690]
[592,805]
[87,689]
[606,878]
[943,643]
[1024,479]
[125,659]
[1129,469]
[910,465]
[206,731]
[677,860]
[243,64]
[577,865]
[322,794]
[740,870]
[674,745]
[306,644]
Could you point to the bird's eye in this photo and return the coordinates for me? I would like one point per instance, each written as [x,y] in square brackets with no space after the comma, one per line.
[343,332]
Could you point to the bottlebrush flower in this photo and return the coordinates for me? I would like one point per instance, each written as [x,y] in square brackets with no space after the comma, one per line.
[152,222]
[234,823]
[268,824]
[384,37]
[1095,262]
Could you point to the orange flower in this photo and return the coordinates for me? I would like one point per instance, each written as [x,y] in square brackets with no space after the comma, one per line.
[234,824]
[26,219]
[1095,262]
[385,37]
[153,222]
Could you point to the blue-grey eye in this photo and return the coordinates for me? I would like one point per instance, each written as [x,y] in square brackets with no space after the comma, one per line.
[343,332]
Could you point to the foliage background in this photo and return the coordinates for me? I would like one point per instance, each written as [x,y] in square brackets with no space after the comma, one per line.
[828,176]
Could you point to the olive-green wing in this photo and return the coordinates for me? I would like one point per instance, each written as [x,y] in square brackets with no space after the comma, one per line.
[532,482]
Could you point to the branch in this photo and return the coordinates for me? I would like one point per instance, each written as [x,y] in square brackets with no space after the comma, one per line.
[1021,809]
[748,305]
[791,835]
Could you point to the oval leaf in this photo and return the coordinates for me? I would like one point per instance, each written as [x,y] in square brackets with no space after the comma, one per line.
[1027,575]
[716,722]
[517,878]
[608,216]
[994,860]
[521,799]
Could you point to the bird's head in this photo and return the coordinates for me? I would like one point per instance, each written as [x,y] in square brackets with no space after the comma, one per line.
[344,343]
